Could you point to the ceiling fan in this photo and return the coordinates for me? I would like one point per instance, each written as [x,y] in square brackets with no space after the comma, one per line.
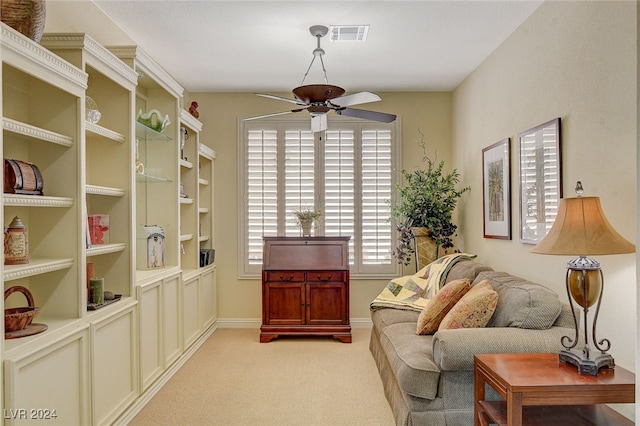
[319,99]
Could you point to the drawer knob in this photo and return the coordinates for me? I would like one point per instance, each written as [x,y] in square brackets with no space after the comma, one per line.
[327,278]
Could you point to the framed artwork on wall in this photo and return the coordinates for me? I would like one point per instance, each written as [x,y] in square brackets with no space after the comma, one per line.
[496,190]
[540,180]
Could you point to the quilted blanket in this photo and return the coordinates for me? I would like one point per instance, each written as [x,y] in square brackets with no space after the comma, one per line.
[413,292]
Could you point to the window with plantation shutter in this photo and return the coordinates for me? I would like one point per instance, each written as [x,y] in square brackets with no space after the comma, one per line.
[377,172]
[345,171]
[299,175]
[339,186]
[261,210]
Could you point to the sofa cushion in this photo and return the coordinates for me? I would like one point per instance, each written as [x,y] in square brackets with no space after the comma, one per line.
[466,269]
[474,309]
[522,303]
[432,314]
[384,317]
[411,359]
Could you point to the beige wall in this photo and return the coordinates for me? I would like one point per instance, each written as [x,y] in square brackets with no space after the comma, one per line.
[577,61]
[240,300]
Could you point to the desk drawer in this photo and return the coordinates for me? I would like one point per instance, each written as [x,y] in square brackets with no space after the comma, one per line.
[285,276]
[326,276]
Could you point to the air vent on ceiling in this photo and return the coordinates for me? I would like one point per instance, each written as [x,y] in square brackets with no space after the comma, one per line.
[348,32]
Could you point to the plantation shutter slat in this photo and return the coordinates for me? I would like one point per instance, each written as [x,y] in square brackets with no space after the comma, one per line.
[339,186]
[299,166]
[376,190]
[262,191]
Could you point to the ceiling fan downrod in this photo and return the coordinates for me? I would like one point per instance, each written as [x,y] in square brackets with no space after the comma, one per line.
[318,31]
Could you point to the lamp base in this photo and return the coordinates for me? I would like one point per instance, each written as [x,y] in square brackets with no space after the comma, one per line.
[585,365]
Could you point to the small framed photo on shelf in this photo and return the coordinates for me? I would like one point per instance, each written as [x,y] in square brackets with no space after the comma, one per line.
[496,190]
[98,229]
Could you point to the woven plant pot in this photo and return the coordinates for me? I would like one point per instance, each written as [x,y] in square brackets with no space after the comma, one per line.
[25,16]
[426,247]
[19,318]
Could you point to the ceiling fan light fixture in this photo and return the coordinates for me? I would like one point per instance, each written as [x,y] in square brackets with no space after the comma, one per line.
[320,99]
[348,32]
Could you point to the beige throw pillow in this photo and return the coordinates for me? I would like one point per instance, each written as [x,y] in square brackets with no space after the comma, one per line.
[440,305]
[474,309]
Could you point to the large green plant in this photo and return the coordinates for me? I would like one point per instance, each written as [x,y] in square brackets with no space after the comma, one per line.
[427,199]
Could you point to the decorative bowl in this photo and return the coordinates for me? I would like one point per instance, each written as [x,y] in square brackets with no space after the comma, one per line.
[154,120]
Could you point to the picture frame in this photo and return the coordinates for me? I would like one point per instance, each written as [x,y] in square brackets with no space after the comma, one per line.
[540,162]
[496,190]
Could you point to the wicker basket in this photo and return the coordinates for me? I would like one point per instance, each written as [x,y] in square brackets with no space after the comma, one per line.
[19,318]
[25,16]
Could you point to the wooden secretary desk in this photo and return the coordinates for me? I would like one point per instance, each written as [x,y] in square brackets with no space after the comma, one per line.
[305,287]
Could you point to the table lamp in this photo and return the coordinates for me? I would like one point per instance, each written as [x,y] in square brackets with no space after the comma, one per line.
[582,229]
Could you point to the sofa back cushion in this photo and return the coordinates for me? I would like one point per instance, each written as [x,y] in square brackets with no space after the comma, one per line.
[468,269]
[521,303]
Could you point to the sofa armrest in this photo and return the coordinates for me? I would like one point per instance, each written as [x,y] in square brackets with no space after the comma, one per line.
[454,349]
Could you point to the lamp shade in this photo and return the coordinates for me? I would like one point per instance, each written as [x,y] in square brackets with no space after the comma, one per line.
[581,229]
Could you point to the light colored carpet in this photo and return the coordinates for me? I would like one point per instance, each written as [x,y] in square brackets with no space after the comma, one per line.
[233,379]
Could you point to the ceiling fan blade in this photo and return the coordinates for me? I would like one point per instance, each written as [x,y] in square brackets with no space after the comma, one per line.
[318,123]
[280,98]
[355,99]
[367,115]
[272,114]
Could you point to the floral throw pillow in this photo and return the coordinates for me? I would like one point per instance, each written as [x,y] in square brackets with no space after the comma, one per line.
[474,309]
[436,309]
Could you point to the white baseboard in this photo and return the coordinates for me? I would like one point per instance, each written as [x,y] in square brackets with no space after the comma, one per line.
[361,323]
[257,322]
[239,323]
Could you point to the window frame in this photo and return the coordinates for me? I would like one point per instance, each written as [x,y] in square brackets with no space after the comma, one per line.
[248,271]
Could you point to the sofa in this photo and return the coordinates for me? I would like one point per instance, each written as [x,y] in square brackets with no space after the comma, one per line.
[428,379]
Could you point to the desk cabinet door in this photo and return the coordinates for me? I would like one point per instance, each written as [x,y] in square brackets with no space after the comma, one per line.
[326,303]
[284,303]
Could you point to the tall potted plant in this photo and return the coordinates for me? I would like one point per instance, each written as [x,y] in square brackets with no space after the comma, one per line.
[424,211]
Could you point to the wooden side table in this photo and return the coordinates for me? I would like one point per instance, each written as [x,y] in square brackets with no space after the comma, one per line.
[544,391]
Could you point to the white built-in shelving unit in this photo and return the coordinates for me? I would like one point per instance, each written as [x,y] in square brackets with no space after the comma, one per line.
[98,366]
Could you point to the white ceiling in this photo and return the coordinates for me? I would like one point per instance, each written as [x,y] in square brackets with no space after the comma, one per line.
[265,46]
